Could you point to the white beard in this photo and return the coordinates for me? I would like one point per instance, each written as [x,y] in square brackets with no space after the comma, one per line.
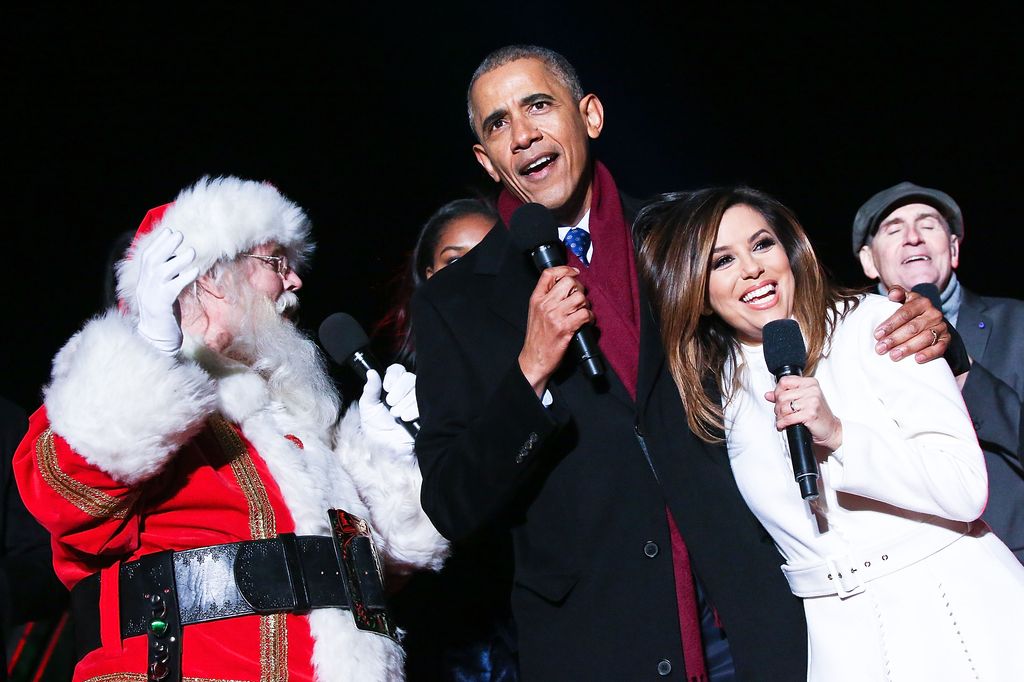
[286,358]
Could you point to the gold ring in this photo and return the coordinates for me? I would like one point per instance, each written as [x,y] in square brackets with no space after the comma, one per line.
[935,337]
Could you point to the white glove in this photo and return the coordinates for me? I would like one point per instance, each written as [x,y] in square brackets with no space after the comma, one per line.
[378,419]
[164,271]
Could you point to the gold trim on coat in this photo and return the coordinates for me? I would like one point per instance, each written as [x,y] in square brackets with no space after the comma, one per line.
[93,502]
[141,677]
[262,525]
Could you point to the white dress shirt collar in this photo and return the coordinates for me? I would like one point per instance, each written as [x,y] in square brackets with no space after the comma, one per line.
[584,224]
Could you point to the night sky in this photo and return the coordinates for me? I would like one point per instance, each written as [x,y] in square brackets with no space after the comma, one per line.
[356,111]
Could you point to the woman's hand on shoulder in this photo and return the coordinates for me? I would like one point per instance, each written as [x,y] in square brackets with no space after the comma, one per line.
[799,400]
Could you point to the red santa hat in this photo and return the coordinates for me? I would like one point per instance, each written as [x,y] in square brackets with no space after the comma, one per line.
[221,218]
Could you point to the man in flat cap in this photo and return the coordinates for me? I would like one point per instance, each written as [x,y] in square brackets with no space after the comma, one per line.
[210,514]
[908,235]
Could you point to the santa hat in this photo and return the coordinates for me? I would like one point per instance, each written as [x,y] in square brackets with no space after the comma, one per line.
[221,218]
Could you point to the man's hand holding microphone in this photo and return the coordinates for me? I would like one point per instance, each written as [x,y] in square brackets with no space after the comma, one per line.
[559,313]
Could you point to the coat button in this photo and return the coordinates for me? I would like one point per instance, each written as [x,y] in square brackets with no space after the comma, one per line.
[651,549]
[524,451]
[664,667]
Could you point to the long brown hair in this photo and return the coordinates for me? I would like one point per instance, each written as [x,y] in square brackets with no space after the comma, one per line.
[678,234]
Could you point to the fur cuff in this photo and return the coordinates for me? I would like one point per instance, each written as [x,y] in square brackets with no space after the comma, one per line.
[120,403]
[389,484]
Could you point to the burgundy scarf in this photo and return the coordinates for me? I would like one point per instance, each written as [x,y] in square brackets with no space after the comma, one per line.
[611,279]
[613,290]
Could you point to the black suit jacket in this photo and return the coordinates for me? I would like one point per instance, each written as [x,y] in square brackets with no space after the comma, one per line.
[993,331]
[593,595]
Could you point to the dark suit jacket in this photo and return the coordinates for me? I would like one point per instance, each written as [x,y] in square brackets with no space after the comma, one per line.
[594,595]
[993,331]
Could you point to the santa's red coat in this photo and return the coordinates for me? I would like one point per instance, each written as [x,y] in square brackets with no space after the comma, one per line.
[135,452]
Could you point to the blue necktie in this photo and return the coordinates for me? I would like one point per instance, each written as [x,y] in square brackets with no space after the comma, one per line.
[577,240]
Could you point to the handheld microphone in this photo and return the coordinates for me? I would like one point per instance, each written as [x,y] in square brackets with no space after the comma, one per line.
[956,354]
[345,341]
[535,231]
[929,291]
[786,355]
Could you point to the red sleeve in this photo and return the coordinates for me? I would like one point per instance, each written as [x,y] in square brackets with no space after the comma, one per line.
[89,514]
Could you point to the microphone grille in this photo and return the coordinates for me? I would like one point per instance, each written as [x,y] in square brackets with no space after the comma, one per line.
[929,291]
[341,336]
[532,225]
[783,345]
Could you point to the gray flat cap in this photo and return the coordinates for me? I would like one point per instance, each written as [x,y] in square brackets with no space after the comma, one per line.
[875,210]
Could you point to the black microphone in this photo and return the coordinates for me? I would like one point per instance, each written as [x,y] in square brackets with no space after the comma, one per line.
[786,355]
[345,341]
[535,231]
[929,291]
[956,355]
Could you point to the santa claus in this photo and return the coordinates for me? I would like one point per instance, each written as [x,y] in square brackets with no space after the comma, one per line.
[213,517]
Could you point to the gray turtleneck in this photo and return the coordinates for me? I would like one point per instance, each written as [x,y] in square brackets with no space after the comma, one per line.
[950,297]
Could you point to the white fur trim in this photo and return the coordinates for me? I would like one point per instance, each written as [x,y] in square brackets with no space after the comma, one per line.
[315,478]
[380,487]
[240,391]
[390,485]
[221,218]
[241,394]
[312,480]
[343,653]
[124,406]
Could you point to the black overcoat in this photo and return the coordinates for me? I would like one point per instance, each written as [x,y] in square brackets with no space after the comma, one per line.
[593,595]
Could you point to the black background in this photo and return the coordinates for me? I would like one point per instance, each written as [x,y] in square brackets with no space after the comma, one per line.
[356,111]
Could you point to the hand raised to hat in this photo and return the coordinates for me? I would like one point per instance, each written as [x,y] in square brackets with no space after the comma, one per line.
[165,269]
[916,328]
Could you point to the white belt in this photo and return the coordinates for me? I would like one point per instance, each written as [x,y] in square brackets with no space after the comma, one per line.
[845,574]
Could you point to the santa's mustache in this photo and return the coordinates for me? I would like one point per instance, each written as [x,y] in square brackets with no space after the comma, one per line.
[287,304]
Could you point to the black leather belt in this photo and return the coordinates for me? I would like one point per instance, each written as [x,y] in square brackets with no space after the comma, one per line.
[286,574]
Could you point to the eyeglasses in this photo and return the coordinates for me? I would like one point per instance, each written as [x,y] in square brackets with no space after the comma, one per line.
[279,263]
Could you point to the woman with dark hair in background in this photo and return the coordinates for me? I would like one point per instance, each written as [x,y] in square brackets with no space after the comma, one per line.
[898,579]
[458,622]
[448,234]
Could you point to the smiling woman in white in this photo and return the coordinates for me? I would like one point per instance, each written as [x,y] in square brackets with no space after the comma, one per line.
[899,580]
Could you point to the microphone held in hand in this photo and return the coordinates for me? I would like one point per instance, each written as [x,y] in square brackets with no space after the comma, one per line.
[956,355]
[535,231]
[786,355]
[345,341]
[929,291]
